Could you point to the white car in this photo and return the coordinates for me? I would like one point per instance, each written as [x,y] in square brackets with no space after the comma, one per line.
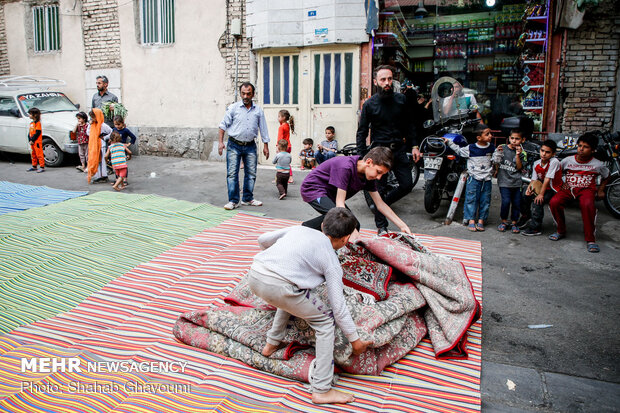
[57,120]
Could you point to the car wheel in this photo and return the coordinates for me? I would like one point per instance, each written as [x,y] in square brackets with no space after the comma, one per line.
[52,153]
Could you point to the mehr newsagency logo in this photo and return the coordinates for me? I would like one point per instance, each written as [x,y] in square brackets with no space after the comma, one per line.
[78,365]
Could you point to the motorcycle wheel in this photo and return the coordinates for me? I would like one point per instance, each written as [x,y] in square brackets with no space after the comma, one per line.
[612,197]
[415,174]
[432,196]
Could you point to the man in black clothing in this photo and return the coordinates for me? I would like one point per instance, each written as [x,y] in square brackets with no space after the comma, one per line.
[388,116]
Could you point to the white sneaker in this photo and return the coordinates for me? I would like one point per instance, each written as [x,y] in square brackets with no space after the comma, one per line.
[231,205]
[253,202]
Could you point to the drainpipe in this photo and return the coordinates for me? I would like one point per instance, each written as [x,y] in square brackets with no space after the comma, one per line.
[235,30]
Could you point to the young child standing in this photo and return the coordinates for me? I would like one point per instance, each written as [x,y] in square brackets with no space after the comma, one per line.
[127,137]
[35,138]
[338,179]
[287,125]
[480,169]
[546,180]
[580,174]
[306,156]
[282,160]
[117,153]
[328,148]
[509,159]
[81,132]
[294,261]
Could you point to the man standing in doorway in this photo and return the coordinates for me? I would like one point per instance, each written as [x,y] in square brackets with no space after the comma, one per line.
[388,117]
[103,95]
[242,122]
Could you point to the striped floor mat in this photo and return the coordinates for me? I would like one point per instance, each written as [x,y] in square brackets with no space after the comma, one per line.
[131,318]
[18,197]
[53,257]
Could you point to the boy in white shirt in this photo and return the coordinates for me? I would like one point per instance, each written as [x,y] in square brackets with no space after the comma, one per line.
[580,174]
[294,261]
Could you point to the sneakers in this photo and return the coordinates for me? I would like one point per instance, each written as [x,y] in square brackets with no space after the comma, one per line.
[41,170]
[230,206]
[382,230]
[522,223]
[529,232]
[253,202]
[34,168]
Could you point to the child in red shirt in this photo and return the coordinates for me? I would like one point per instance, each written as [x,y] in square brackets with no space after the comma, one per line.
[287,125]
[580,174]
[81,132]
[35,138]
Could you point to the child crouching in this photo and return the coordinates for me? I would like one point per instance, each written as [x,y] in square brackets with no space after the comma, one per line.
[294,261]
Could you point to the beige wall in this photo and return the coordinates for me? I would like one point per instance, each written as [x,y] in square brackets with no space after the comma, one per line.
[181,85]
[67,64]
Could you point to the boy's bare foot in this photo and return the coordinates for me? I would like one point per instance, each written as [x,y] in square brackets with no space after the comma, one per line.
[332,396]
[116,187]
[269,349]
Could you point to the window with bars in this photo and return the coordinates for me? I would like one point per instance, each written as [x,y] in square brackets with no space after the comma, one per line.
[281,80]
[46,28]
[157,21]
[333,78]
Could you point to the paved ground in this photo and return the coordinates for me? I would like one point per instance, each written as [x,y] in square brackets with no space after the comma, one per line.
[572,366]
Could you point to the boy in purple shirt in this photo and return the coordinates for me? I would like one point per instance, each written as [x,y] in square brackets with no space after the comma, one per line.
[338,179]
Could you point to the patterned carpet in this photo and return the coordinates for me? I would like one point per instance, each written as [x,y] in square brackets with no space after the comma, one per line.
[18,197]
[131,317]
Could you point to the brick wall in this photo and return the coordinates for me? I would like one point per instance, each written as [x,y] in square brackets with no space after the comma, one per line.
[235,9]
[589,74]
[4,57]
[102,39]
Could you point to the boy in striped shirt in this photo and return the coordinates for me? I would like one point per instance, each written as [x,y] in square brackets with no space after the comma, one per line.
[118,158]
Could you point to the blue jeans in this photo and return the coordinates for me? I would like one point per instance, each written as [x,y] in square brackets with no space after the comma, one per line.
[234,155]
[510,196]
[320,157]
[477,199]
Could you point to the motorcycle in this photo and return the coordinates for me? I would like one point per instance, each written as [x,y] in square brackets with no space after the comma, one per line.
[608,151]
[453,119]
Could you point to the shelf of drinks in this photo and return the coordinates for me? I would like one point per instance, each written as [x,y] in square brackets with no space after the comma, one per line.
[541,40]
[532,108]
[534,62]
[537,86]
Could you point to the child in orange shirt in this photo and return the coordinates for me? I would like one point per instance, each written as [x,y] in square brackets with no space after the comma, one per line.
[35,138]
[287,125]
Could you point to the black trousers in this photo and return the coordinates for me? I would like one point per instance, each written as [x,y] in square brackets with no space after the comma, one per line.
[401,167]
[322,206]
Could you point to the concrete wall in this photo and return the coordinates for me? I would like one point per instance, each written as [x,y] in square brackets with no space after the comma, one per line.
[589,76]
[4,57]
[286,23]
[177,87]
[66,64]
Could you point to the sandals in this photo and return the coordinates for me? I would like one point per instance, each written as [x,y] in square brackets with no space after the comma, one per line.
[502,227]
[515,229]
[556,236]
[472,227]
[479,227]
[593,247]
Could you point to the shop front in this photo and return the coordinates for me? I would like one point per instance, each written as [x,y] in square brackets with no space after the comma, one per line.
[498,51]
